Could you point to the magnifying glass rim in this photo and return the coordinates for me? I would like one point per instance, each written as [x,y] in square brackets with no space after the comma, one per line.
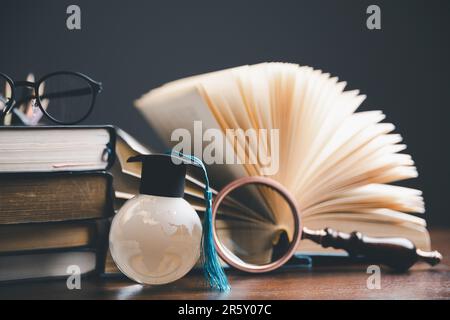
[232,259]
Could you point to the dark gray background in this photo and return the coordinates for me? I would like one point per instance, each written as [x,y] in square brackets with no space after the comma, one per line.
[133,46]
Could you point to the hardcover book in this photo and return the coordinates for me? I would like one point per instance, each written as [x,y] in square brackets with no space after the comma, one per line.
[56,148]
[341,165]
[63,196]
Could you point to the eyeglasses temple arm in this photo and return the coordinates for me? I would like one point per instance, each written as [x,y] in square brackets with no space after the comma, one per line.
[68,93]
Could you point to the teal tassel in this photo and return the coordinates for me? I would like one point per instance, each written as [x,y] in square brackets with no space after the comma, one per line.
[213,271]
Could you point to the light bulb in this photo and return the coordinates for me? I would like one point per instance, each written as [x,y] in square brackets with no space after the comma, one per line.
[155,239]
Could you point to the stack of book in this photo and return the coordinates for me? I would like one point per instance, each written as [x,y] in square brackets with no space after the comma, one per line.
[56,200]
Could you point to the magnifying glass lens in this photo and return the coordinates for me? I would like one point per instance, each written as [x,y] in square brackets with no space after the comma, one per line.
[255,225]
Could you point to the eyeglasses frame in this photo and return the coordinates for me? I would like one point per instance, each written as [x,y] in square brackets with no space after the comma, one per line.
[95,86]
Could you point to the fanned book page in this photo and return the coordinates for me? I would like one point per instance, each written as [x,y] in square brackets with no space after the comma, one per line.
[338,163]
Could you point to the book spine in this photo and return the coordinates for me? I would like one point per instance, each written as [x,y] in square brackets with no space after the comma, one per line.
[102,245]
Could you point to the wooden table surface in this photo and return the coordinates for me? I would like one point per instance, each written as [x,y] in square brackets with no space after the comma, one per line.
[344,282]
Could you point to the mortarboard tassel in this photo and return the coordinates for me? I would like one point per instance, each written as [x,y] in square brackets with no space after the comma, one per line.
[213,270]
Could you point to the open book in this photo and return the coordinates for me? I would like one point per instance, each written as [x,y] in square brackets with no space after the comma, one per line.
[338,163]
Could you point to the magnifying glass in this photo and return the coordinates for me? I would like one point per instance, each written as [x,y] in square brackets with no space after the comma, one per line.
[257,228]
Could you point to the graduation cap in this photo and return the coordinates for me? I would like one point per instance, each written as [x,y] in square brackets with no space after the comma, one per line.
[162,174]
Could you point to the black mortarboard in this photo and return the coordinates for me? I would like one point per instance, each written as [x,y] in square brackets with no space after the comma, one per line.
[162,174]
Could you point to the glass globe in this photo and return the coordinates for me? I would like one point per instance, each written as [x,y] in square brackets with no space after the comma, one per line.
[155,240]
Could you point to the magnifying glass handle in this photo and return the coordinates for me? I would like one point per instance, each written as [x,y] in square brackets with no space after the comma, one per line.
[397,253]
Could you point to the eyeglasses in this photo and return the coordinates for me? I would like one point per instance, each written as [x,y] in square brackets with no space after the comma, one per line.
[63,97]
